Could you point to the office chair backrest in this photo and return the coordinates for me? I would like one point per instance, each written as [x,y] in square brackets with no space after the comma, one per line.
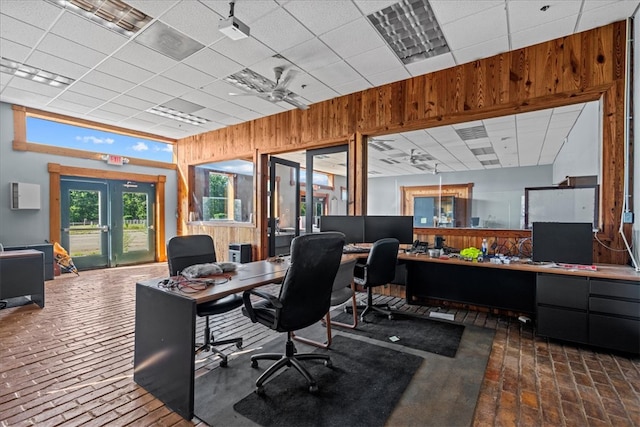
[306,290]
[183,251]
[344,276]
[381,263]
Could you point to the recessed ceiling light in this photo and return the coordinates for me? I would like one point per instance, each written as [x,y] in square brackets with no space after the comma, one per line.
[410,28]
[180,116]
[114,15]
[168,41]
[31,73]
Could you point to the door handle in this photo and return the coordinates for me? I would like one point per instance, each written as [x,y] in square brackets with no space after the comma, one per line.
[66,229]
[151,227]
[104,228]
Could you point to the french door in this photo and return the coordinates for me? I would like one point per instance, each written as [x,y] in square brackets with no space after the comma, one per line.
[106,223]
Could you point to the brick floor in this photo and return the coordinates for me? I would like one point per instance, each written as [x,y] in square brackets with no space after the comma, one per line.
[71,363]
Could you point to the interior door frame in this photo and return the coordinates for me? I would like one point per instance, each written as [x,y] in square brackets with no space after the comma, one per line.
[57,170]
[273,185]
[308,220]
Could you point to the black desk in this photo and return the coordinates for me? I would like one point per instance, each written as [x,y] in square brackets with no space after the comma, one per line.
[164,354]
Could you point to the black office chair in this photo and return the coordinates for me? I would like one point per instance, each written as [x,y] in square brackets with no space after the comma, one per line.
[379,269]
[343,290]
[184,251]
[305,297]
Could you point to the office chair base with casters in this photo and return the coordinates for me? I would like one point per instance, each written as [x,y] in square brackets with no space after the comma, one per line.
[209,309]
[288,359]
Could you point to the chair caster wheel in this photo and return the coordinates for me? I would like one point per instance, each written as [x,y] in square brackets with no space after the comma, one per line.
[259,391]
[390,317]
[313,388]
[254,363]
[223,363]
[328,364]
[239,346]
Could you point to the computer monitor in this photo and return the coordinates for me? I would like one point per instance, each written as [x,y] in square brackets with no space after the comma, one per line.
[563,242]
[380,227]
[351,226]
[475,221]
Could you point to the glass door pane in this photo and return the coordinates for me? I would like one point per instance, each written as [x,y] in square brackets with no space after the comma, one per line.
[133,230]
[284,205]
[85,225]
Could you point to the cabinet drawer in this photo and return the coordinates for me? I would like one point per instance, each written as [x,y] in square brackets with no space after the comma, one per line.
[618,289]
[614,333]
[567,325]
[563,291]
[614,306]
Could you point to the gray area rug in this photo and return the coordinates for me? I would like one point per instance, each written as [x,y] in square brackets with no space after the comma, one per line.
[351,393]
[434,336]
[443,390]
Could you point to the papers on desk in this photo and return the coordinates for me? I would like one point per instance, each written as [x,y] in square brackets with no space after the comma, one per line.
[573,267]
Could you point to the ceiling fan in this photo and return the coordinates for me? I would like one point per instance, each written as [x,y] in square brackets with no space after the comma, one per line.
[259,86]
[415,157]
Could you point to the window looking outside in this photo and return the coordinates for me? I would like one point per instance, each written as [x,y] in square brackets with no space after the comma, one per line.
[319,178]
[49,132]
[223,191]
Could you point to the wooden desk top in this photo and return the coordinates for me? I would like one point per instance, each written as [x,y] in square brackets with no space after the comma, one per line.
[248,276]
[605,271]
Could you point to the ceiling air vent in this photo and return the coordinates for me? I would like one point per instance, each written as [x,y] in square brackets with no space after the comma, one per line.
[474,132]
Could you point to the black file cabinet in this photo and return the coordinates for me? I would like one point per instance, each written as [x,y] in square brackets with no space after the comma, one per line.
[600,312]
[240,252]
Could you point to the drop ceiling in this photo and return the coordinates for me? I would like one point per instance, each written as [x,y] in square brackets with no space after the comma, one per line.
[332,45]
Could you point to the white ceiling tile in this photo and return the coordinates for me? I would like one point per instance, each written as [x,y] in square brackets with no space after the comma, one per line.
[244,51]
[123,110]
[524,15]
[279,30]
[541,33]
[220,89]
[481,50]
[353,39]
[123,70]
[483,26]
[130,101]
[70,51]
[323,16]
[432,64]
[189,76]
[247,11]
[165,85]
[236,110]
[389,76]
[153,8]
[19,32]
[598,13]
[88,33]
[153,61]
[137,123]
[102,115]
[311,55]
[367,7]
[202,98]
[336,74]
[56,65]
[375,61]
[452,10]
[196,21]
[352,86]
[35,87]
[39,14]
[81,99]
[67,107]
[95,91]
[258,104]
[149,95]
[13,51]
[213,63]
[98,78]
[22,97]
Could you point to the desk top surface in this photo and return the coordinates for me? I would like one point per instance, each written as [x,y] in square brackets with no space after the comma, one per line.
[604,271]
[248,276]
[21,253]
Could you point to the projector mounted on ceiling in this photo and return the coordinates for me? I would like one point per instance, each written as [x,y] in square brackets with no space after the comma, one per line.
[232,27]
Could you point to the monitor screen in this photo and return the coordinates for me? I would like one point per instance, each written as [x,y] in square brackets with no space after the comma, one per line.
[380,227]
[351,226]
[563,242]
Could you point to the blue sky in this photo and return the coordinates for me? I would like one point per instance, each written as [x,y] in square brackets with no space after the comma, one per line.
[62,135]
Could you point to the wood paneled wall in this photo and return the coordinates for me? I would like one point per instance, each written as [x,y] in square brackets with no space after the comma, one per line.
[573,69]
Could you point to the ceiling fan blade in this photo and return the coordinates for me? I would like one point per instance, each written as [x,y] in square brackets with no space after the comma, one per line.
[295,103]
[287,79]
[244,94]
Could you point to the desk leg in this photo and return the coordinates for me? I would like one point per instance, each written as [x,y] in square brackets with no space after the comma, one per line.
[164,347]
